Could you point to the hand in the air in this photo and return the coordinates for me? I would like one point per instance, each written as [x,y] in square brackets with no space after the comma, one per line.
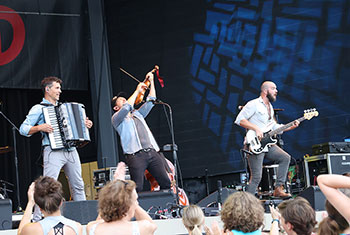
[119,173]
[141,87]
[150,76]
[30,193]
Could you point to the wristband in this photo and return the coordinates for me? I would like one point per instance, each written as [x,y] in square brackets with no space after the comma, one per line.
[275,220]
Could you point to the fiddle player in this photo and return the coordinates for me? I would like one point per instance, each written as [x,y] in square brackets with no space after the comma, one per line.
[139,146]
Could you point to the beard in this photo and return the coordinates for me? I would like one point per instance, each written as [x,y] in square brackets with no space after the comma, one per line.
[270,97]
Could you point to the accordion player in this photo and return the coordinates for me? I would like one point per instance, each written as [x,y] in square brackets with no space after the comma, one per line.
[68,123]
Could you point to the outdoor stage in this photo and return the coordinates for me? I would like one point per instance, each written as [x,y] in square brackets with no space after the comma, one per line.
[175,226]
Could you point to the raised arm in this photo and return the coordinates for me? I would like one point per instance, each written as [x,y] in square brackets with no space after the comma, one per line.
[329,185]
[29,209]
[147,225]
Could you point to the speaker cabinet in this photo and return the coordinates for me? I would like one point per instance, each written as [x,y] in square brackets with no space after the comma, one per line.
[80,211]
[159,199]
[315,196]
[330,163]
[213,197]
[5,214]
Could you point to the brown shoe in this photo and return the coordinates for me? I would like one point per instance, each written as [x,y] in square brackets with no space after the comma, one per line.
[279,192]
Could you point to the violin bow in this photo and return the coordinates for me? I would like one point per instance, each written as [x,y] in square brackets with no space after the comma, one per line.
[130,75]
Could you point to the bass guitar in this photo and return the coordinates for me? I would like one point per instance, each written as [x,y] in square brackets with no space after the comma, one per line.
[257,146]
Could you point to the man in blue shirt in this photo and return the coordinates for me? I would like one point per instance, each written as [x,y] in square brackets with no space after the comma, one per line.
[139,146]
[54,160]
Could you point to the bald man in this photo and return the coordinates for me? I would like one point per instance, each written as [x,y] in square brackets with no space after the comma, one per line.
[258,115]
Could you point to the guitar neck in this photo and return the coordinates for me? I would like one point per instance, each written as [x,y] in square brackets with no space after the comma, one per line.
[286,126]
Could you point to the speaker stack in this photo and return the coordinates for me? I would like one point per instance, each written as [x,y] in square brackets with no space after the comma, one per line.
[211,205]
[80,211]
[315,196]
[5,214]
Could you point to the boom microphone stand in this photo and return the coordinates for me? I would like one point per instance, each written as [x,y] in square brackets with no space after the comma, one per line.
[173,145]
[14,128]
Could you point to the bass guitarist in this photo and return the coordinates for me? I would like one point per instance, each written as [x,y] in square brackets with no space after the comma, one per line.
[258,115]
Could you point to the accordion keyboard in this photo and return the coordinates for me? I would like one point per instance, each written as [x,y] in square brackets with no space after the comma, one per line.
[55,136]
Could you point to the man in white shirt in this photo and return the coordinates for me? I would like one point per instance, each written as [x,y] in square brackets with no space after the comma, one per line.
[258,115]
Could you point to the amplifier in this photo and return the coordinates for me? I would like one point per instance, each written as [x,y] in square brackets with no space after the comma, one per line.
[102,176]
[330,163]
[331,147]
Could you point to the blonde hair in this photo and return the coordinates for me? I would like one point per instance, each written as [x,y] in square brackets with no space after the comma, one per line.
[193,219]
[242,212]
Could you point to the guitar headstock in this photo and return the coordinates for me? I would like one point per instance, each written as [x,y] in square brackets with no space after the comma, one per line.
[310,113]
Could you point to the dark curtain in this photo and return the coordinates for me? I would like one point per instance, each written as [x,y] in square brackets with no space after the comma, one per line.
[43,38]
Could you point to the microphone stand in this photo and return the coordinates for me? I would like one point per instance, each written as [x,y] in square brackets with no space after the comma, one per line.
[14,128]
[173,146]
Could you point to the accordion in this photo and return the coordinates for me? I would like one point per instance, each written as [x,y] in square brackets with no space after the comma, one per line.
[68,123]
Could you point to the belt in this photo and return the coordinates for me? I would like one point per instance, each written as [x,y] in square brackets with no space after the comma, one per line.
[146,150]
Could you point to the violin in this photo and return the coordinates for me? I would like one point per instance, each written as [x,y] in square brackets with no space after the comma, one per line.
[141,95]
[183,199]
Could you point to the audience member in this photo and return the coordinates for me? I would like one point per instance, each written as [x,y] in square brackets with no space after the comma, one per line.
[193,219]
[329,185]
[46,192]
[297,218]
[117,205]
[242,213]
[334,223]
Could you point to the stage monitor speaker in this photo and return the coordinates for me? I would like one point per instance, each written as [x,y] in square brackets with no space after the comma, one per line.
[80,211]
[213,197]
[315,196]
[159,199]
[5,214]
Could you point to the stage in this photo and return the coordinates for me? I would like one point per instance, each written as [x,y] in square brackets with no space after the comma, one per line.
[175,226]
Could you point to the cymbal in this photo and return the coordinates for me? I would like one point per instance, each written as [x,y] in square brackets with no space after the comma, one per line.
[277,110]
[5,149]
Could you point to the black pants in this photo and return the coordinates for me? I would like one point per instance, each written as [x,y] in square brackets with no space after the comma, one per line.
[153,162]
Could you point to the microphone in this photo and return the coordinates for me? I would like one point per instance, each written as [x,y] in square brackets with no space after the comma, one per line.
[219,194]
[157,101]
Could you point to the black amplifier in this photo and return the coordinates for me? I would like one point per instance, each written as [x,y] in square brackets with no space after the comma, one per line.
[331,147]
[330,163]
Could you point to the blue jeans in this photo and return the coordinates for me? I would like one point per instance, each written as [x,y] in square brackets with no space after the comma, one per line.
[255,162]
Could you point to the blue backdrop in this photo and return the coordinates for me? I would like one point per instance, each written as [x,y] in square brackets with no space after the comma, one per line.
[303,46]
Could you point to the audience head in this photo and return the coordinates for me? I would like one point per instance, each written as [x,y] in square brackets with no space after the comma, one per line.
[298,217]
[243,212]
[335,223]
[193,219]
[283,205]
[117,199]
[48,194]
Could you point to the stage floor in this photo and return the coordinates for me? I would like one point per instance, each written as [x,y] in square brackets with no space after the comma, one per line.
[175,226]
